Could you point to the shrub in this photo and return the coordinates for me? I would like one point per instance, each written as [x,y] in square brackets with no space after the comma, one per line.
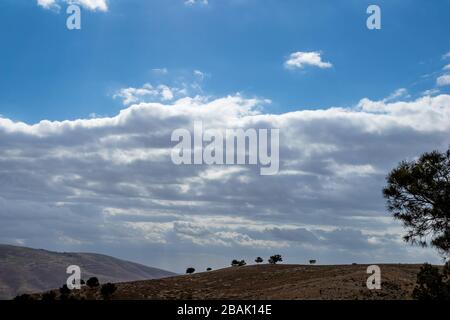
[190,270]
[49,296]
[237,263]
[259,260]
[275,259]
[431,284]
[208,269]
[93,282]
[312,261]
[64,290]
[23,297]
[107,290]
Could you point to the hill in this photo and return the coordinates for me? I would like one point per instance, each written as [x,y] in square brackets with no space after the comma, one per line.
[26,270]
[272,282]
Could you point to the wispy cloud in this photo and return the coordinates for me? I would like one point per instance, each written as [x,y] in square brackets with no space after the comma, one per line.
[298,60]
[399,93]
[92,5]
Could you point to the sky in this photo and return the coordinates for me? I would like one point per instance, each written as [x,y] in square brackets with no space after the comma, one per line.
[86,118]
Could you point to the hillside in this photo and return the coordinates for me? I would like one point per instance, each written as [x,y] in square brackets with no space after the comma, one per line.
[26,270]
[272,282]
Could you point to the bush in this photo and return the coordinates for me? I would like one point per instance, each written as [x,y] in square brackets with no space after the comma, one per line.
[275,258]
[312,261]
[431,284]
[93,282]
[24,297]
[64,290]
[49,296]
[107,290]
[237,263]
[259,260]
[208,269]
[190,270]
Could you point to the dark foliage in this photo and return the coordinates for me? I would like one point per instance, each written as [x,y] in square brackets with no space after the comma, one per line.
[190,270]
[259,260]
[237,263]
[24,297]
[275,259]
[418,194]
[49,296]
[432,284]
[93,282]
[107,290]
[64,290]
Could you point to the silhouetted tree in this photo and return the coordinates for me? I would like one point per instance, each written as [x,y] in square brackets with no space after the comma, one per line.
[208,269]
[275,259]
[107,290]
[93,282]
[259,260]
[312,261]
[431,284]
[237,263]
[418,194]
[190,270]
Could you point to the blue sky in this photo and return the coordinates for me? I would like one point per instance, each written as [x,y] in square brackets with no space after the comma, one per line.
[138,70]
[49,72]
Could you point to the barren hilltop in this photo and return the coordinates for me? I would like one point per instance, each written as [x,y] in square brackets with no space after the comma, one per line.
[271,282]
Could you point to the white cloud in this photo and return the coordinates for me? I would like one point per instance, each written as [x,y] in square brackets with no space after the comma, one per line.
[446,56]
[301,59]
[47,4]
[148,93]
[196,2]
[443,80]
[92,5]
[109,181]
[447,67]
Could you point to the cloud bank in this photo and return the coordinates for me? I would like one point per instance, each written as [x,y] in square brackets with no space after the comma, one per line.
[108,184]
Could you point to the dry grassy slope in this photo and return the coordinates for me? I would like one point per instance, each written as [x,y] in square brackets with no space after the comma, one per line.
[274,282]
[26,270]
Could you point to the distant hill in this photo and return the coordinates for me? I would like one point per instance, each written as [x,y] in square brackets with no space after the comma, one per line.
[26,270]
[272,282]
